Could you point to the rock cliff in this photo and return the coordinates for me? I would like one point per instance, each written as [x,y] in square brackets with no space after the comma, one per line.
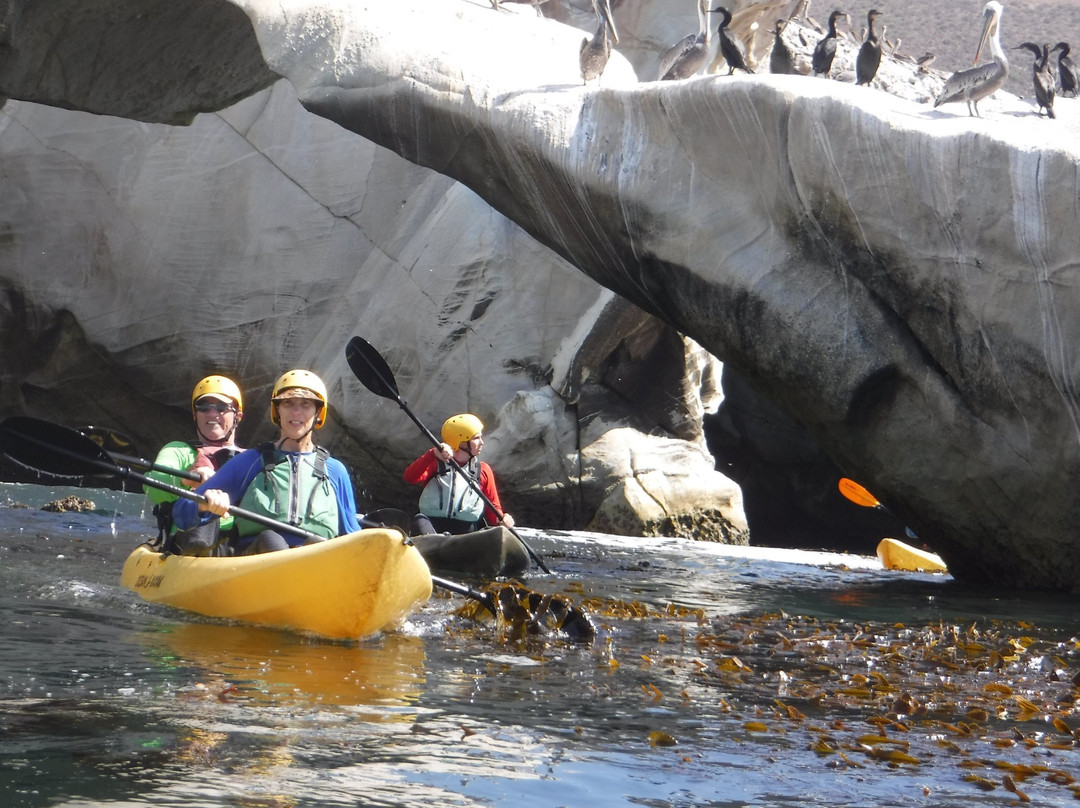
[897,280]
[137,257]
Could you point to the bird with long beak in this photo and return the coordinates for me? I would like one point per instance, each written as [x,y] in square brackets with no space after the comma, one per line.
[690,54]
[976,83]
[594,54]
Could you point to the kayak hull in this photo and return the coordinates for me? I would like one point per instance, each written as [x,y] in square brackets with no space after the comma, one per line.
[345,588]
[494,552]
[896,555]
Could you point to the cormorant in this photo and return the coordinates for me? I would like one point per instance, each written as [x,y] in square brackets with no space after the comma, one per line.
[780,59]
[1067,76]
[866,65]
[825,51]
[687,56]
[595,52]
[731,47]
[1041,77]
[975,83]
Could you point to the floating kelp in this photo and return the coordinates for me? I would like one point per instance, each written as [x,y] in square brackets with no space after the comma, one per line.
[970,692]
[519,613]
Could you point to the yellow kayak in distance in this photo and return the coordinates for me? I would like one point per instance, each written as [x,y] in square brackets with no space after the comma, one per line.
[896,555]
[346,588]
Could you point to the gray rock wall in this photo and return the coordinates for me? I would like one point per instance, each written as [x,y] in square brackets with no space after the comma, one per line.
[138,257]
[896,279]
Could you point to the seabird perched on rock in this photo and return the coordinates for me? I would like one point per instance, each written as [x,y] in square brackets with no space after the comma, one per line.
[1041,77]
[1067,75]
[534,3]
[731,47]
[925,61]
[976,83]
[866,65]
[780,58]
[803,10]
[825,50]
[691,53]
[595,52]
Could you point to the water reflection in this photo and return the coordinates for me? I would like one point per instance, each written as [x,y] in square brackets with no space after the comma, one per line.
[264,666]
[798,684]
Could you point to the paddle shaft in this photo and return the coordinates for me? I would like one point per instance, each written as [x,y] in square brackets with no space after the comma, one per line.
[99,435]
[146,464]
[388,389]
[485,599]
[126,473]
[451,586]
[472,483]
[87,454]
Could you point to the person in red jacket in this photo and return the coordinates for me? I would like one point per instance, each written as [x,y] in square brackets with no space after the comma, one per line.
[448,503]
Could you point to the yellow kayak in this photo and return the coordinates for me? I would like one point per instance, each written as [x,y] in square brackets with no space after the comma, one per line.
[895,555]
[345,588]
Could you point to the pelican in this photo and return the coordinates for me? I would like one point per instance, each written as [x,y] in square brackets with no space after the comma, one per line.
[1067,77]
[825,50]
[780,59]
[1041,76]
[975,83]
[595,52]
[731,47]
[803,10]
[866,65]
[691,53]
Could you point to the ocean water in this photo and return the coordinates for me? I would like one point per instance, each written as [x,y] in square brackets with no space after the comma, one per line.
[721,676]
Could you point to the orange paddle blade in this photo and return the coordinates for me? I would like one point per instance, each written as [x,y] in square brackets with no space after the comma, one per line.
[857,494]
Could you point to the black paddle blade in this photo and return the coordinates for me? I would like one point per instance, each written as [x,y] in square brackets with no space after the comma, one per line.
[53,449]
[111,440]
[371,369]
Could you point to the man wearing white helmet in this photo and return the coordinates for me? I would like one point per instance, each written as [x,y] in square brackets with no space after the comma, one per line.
[290,480]
[448,504]
[217,407]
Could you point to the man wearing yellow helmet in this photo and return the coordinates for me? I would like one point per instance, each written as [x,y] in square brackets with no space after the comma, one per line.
[448,504]
[217,407]
[290,480]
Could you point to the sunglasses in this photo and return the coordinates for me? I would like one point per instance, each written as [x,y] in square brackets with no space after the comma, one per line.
[216,407]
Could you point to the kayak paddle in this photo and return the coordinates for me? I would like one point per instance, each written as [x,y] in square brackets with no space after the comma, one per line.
[371,369]
[62,452]
[857,494]
[58,451]
[108,438]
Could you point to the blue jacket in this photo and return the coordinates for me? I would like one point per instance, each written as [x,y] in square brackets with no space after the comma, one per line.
[234,478]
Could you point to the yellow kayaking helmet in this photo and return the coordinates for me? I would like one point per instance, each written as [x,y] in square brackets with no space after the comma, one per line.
[457,429]
[299,384]
[218,387]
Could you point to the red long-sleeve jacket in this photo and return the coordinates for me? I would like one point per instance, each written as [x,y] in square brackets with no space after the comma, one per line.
[426,466]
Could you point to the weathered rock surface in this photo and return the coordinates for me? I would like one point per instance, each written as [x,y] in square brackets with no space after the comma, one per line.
[137,257]
[897,280]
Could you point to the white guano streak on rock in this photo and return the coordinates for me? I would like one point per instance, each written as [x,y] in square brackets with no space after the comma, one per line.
[1031,219]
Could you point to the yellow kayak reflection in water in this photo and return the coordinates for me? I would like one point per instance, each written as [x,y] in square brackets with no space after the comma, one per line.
[246,663]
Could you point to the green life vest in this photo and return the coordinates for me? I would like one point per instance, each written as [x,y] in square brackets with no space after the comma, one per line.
[292,488]
[449,496]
